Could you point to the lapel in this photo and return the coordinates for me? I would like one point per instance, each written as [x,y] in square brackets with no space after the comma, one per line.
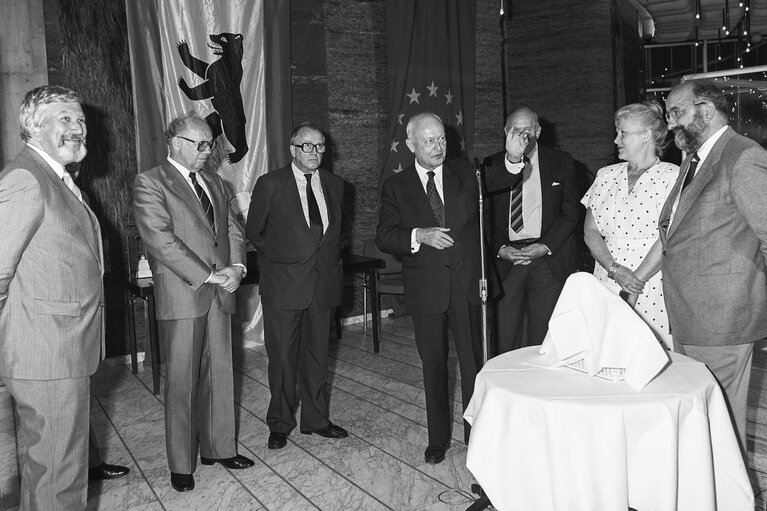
[80,212]
[414,190]
[451,186]
[293,199]
[703,175]
[215,202]
[545,166]
[330,199]
[178,184]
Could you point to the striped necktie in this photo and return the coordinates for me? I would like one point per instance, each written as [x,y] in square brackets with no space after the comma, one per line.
[691,170]
[516,222]
[204,200]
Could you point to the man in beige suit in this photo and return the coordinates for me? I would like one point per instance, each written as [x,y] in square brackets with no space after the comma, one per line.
[51,300]
[713,228]
[197,253]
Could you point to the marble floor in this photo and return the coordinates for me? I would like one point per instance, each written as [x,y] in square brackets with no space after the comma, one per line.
[378,398]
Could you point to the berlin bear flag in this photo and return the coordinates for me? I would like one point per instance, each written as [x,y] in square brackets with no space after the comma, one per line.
[207,57]
[431,69]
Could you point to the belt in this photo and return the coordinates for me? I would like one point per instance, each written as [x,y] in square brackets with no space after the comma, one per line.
[523,243]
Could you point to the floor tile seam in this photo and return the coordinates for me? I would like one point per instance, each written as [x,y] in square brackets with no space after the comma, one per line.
[319,460]
[357,348]
[130,453]
[419,387]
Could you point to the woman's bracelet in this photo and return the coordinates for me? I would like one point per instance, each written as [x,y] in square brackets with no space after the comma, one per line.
[612,270]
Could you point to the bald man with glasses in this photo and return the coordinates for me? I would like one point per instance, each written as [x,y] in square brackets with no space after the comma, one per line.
[294,221]
[197,253]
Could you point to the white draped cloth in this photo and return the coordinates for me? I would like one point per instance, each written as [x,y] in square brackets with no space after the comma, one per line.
[547,439]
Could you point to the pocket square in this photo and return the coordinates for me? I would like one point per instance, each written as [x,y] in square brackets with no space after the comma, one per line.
[555,183]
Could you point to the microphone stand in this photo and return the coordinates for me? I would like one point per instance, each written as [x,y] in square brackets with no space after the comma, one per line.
[482,502]
[483,273]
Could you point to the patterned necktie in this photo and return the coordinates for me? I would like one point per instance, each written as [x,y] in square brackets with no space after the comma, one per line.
[67,178]
[691,170]
[516,222]
[315,219]
[204,200]
[434,201]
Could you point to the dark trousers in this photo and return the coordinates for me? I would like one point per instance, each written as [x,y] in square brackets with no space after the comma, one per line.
[530,289]
[463,319]
[297,345]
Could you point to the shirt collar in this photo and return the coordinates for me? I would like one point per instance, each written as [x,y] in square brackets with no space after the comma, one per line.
[706,147]
[299,174]
[183,170]
[422,172]
[57,167]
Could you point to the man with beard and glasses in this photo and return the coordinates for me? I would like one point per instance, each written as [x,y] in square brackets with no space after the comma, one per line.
[51,300]
[713,228]
[534,231]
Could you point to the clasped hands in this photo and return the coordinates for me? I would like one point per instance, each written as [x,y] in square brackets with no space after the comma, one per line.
[524,255]
[228,279]
[630,283]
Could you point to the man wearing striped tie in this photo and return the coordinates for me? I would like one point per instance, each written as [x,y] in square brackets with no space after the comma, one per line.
[535,216]
[197,252]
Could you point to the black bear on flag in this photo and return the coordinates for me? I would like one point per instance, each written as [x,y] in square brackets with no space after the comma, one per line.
[222,87]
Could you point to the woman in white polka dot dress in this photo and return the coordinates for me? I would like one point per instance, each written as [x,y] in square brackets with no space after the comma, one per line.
[623,206]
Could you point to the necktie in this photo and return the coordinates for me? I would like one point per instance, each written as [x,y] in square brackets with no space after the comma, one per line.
[315,219]
[72,186]
[515,208]
[204,200]
[691,170]
[434,201]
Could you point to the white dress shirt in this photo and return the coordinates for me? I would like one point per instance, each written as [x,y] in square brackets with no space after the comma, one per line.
[298,174]
[422,175]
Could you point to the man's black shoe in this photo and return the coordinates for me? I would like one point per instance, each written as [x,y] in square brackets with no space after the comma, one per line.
[233,463]
[182,482]
[106,471]
[277,440]
[434,454]
[329,431]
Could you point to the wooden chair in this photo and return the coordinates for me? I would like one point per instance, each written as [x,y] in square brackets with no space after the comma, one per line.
[389,277]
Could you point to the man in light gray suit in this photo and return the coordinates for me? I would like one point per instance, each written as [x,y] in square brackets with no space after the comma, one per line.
[51,299]
[197,253]
[713,228]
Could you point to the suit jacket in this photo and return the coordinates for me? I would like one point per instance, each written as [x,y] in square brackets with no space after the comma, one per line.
[295,267]
[426,273]
[183,248]
[714,251]
[560,215]
[51,270]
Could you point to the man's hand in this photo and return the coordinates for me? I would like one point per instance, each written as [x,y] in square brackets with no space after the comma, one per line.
[436,237]
[232,276]
[514,255]
[516,143]
[628,281]
[534,251]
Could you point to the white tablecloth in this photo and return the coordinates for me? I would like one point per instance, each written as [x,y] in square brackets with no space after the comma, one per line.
[558,439]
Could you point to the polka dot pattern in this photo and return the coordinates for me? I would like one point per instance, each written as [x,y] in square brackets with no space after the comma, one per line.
[628,222]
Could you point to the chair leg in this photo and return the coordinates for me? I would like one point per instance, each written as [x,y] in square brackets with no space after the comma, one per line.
[365,303]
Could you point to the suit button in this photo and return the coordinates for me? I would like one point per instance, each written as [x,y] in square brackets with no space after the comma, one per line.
[214,266]
[215,244]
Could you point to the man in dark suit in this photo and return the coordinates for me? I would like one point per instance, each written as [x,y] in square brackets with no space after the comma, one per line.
[429,217]
[197,253]
[51,299]
[294,221]
[535,215]
[713,228]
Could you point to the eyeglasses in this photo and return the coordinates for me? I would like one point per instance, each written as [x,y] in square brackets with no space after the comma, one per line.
[675,113]
[308,146]
[202,145]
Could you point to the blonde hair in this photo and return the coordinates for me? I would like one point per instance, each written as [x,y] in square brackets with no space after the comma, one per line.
[650,115]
